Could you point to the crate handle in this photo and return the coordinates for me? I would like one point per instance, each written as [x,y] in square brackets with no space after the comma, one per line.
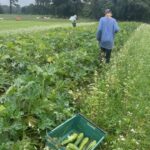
[90,125]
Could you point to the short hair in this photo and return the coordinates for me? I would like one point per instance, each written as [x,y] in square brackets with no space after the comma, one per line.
[108,11]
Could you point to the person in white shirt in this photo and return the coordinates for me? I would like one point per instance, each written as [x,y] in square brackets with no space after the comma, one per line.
[73,19]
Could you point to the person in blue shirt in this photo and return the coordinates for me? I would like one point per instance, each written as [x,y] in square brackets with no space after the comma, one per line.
[107,29]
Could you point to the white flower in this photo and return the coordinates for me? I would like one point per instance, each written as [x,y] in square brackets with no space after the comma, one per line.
[70,92]
[30,124]
[129,113]
[137,143]
[46,148]
[133,131]
[122,138]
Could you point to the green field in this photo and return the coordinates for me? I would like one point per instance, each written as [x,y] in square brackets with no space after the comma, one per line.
[13,25]
[30,23]
[17,27]
[24,17]
[34,18]
[48,76]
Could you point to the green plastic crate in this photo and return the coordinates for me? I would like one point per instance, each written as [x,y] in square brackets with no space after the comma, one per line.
[77,124]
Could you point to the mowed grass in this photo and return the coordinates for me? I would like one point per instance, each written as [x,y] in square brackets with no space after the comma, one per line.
[119,100]
[9,23]
[13,24]
[12,27]
[34,18]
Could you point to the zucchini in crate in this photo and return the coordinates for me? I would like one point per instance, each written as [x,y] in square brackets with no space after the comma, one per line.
[83,144]
[77,131]
[71,147]
[79,139]
[70,139]
[91,145]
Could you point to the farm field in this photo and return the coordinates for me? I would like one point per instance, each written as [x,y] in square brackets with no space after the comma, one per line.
[30,23]
[11,27]
[48,76]
[34,18]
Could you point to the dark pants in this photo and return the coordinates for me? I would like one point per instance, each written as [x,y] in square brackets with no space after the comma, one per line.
[105,53]
[74,24]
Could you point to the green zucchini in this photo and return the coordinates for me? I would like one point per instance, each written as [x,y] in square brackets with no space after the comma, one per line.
[79,139]
[71,147]
[83,144]
[70,139]
[91,145]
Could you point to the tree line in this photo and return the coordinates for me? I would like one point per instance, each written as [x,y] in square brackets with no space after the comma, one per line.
[138,10]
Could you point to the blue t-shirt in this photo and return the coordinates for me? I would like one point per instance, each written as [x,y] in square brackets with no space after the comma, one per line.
[106,32]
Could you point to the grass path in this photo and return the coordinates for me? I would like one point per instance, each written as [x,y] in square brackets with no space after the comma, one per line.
[33,26]
[120,98]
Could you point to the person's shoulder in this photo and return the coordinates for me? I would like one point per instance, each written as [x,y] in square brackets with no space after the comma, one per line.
[102,18]
[114,19]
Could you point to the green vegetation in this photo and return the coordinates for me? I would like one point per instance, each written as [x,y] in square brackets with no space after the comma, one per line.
[12,25]
[43,73]
[28,26]
[31,23]
[118,101]
[28,21]
[32,18]
[40,18]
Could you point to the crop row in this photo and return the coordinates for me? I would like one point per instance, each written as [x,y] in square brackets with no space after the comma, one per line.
[119,99]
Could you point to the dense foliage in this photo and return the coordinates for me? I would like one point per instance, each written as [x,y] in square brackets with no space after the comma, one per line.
[41,79]
[138,10]
[122,9]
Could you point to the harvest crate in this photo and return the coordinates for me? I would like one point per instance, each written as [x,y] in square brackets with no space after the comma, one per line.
[77,124]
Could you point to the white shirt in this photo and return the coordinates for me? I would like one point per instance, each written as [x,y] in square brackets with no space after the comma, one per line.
[73,18]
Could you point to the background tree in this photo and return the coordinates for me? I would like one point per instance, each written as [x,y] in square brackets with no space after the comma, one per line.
[11,4]
[137,10]
[1,9]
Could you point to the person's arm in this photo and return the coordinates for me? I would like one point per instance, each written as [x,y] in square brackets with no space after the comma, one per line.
[116,27]
[99,31]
